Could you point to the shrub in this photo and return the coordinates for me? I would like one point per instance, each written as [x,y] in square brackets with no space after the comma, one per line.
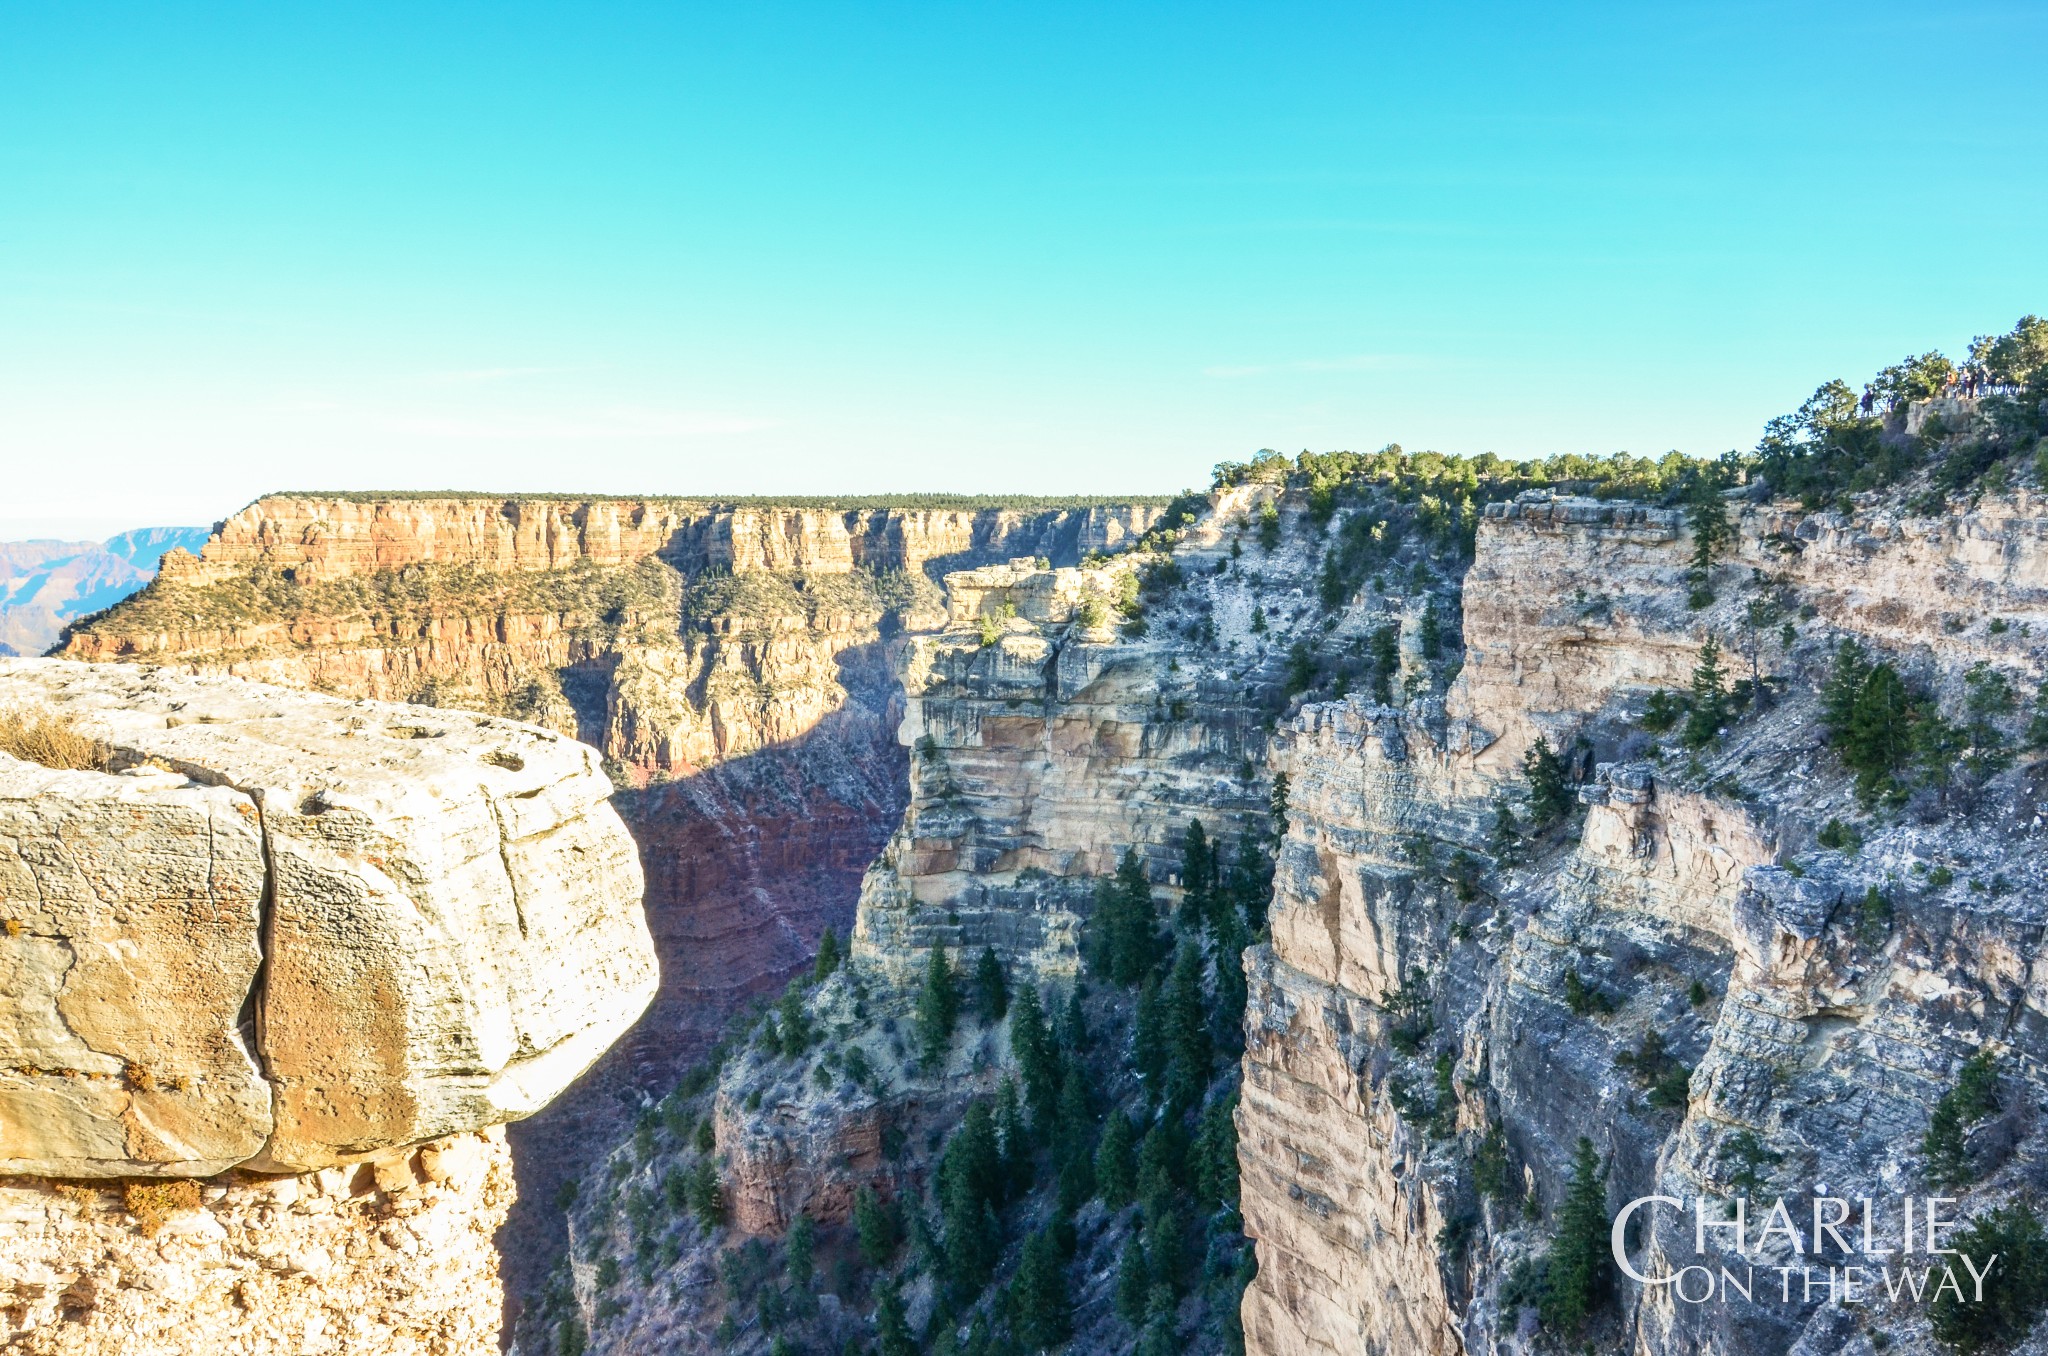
[153,1202]
[1974,1096]
[48,738]
[2014,1293]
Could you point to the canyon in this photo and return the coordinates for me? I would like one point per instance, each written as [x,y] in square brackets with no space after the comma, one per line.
[950,736]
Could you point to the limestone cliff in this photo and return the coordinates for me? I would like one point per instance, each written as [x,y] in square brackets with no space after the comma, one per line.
[284,934]
[1678,973]
[733,663]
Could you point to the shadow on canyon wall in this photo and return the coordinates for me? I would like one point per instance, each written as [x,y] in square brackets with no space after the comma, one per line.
[747,864]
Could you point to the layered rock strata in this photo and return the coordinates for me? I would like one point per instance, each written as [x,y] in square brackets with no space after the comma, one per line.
[294,929]
[1424,1004]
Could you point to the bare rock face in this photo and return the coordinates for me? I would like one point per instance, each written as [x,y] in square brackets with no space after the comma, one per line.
[297,930]
[1677,971]
[389,1257]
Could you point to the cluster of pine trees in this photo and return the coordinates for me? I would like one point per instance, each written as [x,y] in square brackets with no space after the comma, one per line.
[1023,1163]
[1896,738]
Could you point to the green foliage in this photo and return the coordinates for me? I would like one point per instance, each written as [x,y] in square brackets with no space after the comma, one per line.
[1582,998]
[1116,1162]
[1550,794]
[1301,668]
[1874,917]
[1747,1156]
[1258,620]
[892,1329]
[1124,943]
[703,1194]
[800,1251]
[991,986]
[874,1226]
[1037,1057]
[1974,1097]
[829,955]
[1870,717]
[1198,874]
[2015,1292]
[1662,711]
[1186,1017]
[1576,1271]
[1490,1175]
[1987,703]
[1706,514]
[1041,1304]
[1709,699]
[972,1186]
[1269,526]
[1697,995]
[1839,836]
[938,1007]
[1383,650]
[1504,840]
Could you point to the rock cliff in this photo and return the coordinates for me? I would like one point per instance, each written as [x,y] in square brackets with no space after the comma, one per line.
[282,934]
[1676,970]
[734,664]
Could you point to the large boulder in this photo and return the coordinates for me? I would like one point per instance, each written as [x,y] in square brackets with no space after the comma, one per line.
[285,930]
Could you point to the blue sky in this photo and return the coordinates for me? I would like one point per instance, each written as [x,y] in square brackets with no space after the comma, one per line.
[1046,247]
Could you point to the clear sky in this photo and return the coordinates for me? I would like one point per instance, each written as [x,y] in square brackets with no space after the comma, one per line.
[1041,247]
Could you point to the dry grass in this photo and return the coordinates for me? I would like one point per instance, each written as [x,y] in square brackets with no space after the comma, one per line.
[154,1202]
[46,737]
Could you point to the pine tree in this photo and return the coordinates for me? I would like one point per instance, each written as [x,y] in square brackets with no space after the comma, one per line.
[1277,806]
[1041,1305]
[1148,1038]
[1215,1153]
[2037,727]
[971,1184]
[1844,685]
[1074,1035]
[796,1024]
[828,955]
[1706,513]
[1133,1282]
[1014,1141]
[1575,1274]
[874,1228]
[1383,647]
[1987,702]
[1258,620]
[1505,841]
[1231,987]
[892,1329]
[1126,919]
[1197,873]
[1431,632]
[800,1251]
[1709,702]
[1031,1045]
[991,986]
[1187,1029]
[1550,796]
[1880,736]
[938,1007]
[1116,1162]
[1074,1145]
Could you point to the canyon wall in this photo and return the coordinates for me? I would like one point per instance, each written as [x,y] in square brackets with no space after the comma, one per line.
[734,665]
[1438,1019]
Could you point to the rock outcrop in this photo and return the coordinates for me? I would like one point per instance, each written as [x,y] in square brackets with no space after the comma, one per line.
[393,1256]
[291,930]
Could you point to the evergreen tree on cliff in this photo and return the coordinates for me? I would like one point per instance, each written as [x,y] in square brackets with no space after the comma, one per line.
[1575,1275]
[1550,795]
[938,1007]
